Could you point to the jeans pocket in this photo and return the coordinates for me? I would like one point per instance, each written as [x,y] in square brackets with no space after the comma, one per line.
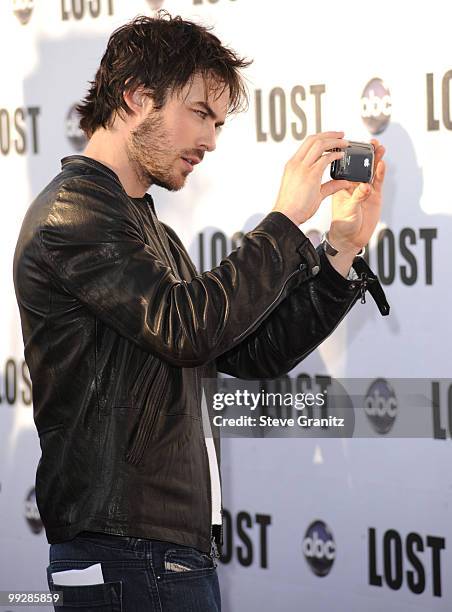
[103,597]
[187,560]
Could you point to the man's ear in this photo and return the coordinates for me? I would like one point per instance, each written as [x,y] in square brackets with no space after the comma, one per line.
[136,99]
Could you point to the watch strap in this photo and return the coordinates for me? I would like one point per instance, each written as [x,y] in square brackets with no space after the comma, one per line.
[330,250]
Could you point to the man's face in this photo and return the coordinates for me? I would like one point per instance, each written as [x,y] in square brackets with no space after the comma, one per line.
[184,129]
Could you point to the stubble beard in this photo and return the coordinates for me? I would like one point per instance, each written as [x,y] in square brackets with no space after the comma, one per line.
[150,154]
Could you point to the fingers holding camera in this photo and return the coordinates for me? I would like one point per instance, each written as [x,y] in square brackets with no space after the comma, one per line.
[380,166]
[322,149]
[301,190]
[378,148]
[360,193]
[310,141]
[379,176]
[322,163]
[331,187]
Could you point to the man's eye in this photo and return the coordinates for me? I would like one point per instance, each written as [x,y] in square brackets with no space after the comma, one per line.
[201,113]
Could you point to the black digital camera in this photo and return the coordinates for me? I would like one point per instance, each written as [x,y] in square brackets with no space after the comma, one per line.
[356,165]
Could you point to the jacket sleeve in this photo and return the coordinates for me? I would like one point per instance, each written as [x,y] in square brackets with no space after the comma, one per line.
[301,322]
[93,246]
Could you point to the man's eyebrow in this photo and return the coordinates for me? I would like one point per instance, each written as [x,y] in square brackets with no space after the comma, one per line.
[209,112]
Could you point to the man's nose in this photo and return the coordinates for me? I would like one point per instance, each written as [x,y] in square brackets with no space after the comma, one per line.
[209,139]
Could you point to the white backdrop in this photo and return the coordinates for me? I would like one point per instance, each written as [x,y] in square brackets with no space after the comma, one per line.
[372,514]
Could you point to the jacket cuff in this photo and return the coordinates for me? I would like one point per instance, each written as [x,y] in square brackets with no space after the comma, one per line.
[367,280]
[344,285]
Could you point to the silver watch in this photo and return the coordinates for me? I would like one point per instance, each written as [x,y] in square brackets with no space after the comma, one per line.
[330,250]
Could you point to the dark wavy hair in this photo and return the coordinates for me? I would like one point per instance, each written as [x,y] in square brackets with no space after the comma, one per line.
[161,54]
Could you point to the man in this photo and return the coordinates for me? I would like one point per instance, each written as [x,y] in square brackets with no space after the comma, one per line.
[119,328]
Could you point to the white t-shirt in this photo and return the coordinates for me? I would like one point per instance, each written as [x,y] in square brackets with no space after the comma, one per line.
[213,464]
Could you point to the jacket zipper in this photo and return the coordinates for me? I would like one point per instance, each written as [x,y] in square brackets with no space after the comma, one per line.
[263,314]
[364,281]
[349,307]
[213,547]
[202,434]
[221,526]
[371,282]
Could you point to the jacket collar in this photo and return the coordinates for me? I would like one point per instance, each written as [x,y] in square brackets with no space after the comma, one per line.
[89,161]
[93,163]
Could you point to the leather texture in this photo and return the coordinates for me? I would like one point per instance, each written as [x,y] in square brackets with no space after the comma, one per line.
[119,328]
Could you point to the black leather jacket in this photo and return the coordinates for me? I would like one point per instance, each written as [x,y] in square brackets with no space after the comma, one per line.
[119,328]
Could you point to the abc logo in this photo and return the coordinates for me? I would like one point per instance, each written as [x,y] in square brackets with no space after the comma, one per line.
[23,9]
[380,405]
[319,548]
[73,132]
[376,106]
[32,513]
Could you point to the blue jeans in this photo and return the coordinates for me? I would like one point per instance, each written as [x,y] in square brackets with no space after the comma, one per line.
[140,575]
